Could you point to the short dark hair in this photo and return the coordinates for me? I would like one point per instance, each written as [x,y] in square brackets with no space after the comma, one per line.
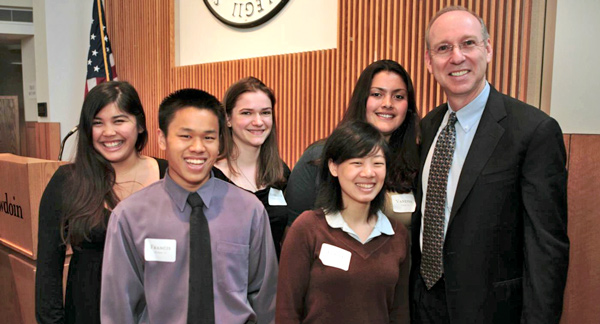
[403,165]
[195,98]
[270,166]
[349,140]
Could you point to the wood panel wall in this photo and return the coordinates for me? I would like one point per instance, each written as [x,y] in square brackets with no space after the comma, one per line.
[9,125]
[43,140]
[313,88]
[583,282]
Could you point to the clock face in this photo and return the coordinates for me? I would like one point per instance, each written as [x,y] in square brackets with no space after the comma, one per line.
[244,13]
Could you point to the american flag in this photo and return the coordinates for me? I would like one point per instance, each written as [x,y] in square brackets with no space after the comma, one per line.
[100,63]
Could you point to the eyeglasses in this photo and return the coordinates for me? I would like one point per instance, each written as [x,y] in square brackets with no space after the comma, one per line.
[465,47]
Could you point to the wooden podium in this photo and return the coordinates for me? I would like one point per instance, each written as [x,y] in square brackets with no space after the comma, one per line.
[22,183]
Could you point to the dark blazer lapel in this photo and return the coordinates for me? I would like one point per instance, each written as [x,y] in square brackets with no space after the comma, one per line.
[429,127]
[430,130]
[484,143]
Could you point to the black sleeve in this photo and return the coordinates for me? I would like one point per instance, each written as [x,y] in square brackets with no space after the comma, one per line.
[301,191]
[162,167]
[220,175]
[51,253]
[286,171]
[546,242]
[286,175]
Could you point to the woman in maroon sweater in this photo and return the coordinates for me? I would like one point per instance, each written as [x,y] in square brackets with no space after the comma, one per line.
[346,262]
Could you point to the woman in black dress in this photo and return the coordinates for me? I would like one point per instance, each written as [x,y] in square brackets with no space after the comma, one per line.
[76,204]
[253,161]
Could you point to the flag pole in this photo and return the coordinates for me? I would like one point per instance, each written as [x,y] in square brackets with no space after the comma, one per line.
[102,39]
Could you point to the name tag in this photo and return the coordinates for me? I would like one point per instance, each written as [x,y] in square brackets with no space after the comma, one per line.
[161,250]
[403,203]
[334,256]
[276,198]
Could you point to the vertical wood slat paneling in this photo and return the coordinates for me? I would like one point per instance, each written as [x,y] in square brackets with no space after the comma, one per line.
[581,293]
[524,55]
[313,88]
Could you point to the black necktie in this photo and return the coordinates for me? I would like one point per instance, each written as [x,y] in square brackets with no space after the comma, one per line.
[201,307]
[435,204]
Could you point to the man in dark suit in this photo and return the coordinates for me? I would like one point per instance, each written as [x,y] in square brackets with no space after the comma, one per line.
[490,238]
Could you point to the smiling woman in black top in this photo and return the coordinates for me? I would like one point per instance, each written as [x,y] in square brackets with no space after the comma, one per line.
[76,204]
[252,161]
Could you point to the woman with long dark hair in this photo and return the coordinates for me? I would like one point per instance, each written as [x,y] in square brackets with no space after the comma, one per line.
[252,161]
[76,204]
[345,261]
[384,97]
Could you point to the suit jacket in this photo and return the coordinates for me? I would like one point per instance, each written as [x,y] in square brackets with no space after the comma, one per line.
[506,249]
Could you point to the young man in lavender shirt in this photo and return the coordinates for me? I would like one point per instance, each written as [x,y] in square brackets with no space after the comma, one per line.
[147,254]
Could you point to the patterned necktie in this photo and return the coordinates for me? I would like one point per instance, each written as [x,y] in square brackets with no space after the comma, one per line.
[201,307]
[435,204]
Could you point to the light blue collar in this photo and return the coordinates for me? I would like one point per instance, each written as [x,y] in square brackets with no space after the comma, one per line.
[383,226]
[468,117]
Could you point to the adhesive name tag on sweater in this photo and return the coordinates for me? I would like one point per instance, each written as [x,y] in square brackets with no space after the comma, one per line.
[334,256]
[161,250]
[403,203]
[276,198]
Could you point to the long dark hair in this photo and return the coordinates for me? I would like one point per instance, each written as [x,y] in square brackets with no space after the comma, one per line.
[270,165]
[90,186]
[403,165]
[355,139]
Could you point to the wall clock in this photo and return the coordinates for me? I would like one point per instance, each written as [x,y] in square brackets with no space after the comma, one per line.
[244,14]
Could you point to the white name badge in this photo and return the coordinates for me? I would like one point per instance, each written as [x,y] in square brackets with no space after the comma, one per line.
[276,198]
[160,250]
[403,203]
[334,256]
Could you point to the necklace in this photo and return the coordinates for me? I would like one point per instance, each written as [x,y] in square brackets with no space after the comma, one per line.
[133,184]
[252,186]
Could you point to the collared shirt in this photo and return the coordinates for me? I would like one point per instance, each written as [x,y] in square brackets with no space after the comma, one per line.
[466,126]
[138,290]
[382,226]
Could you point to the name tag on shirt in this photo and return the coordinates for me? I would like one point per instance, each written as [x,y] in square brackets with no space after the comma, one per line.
[276,198]
[334,256]
[161,250]
[403,203]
